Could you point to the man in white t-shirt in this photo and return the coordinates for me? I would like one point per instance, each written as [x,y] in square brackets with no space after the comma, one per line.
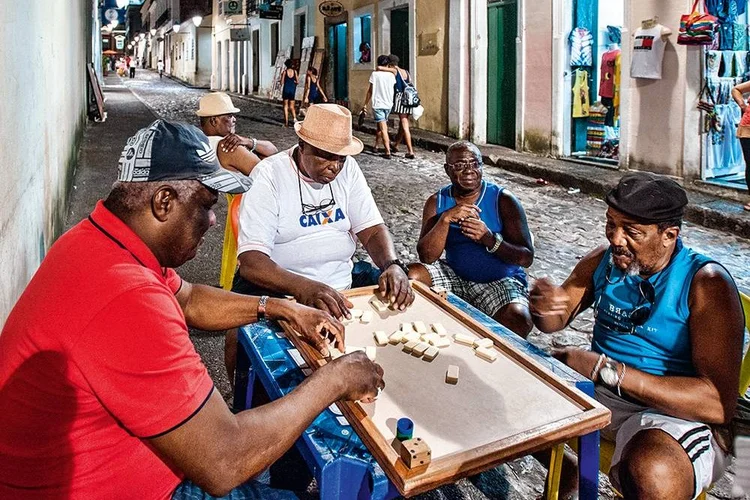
[381,90]
[301,219]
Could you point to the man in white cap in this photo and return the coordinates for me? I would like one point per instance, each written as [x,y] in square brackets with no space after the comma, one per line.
[300,222]
[101,390]
[218,121]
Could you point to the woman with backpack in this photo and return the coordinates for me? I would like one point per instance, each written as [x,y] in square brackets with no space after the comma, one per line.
[403,80]
[288,90]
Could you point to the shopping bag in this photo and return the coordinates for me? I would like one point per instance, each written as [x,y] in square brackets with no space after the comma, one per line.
[698,27]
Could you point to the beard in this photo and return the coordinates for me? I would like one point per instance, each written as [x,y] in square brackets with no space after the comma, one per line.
[633,269]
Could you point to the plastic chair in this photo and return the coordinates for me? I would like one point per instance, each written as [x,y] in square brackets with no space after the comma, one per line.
[231,231]
[607,448]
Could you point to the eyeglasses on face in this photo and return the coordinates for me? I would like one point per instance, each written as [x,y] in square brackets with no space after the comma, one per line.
[460,166]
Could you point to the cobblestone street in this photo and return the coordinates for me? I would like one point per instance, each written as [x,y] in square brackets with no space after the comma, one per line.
[566,225]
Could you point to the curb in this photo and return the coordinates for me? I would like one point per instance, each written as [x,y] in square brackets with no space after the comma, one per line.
[595,181]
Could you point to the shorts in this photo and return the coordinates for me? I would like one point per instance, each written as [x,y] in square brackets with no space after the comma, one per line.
[696,438]
[381,115]
[487,297]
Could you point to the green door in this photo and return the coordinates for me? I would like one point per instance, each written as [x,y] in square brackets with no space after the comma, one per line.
[400,36]
[339,62]
[502,23]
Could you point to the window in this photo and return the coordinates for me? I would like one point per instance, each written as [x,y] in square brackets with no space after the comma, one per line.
[274,42]
[362,39]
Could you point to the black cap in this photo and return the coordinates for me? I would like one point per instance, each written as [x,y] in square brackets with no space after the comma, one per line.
[173,151]
[649,198]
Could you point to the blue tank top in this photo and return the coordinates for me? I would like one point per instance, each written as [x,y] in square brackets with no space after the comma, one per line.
[468,259]
[661,346]
[290,86]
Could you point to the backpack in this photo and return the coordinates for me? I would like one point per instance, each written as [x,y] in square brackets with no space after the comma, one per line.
[409,96]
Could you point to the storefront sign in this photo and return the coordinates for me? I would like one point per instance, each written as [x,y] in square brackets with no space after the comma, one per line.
[232,7]
[239,34]
[120,42]
[271,11]
[331,8]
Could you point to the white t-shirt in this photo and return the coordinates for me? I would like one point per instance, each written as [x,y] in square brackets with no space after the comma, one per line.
[383,84]
[648,52]
[318,246]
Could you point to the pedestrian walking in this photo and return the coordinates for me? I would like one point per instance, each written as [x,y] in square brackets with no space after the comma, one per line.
[403,79]
[313,92]
[160,68]
[381,90]
[289,82]
[743,131]
[131,68]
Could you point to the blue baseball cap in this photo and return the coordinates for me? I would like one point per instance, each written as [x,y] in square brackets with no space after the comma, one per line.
[174,151]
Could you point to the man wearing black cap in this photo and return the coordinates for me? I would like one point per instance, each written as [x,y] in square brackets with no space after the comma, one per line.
[667,341]
[101,390]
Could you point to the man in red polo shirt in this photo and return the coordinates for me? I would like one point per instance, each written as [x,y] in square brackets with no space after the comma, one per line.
[102,394]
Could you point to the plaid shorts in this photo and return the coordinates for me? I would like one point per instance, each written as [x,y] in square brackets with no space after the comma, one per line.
[487,297]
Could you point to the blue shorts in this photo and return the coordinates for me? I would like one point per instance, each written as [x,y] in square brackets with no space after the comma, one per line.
[381,115]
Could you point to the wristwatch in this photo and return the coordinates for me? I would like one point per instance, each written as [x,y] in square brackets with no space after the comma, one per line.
[608,373]
[262,307]
[498,242]
[397,262]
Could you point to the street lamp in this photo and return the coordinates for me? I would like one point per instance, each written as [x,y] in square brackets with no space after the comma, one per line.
[122,3]
[176,28]
[114,23]
[153,31]
[142,36]
[197,20]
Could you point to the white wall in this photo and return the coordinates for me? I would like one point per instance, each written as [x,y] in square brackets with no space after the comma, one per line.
[44,47]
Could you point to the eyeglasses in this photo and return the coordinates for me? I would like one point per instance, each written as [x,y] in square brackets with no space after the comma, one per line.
[460,166]
[308,209]
[640,314]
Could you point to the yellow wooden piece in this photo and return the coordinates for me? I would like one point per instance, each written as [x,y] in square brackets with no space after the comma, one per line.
[229,253]
[745,369]
[553,480]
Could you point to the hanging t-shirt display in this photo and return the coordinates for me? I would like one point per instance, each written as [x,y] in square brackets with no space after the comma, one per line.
[581,94]
[581,43]
[648,53]
[608,70]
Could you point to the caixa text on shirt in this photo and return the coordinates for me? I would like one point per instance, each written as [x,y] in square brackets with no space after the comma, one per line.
[322,218]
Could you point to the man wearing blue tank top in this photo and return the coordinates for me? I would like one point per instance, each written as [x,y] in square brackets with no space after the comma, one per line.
[667,343]
[482,229]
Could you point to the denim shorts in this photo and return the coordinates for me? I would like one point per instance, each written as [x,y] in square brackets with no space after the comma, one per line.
[381,115]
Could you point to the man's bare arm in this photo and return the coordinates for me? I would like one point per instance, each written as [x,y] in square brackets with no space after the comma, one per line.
[218,450]
[716,335]
[239,159]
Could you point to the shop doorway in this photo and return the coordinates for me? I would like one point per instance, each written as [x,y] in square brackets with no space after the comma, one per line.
[502,28]
[256,60]
[592,110]
[339,62]
[400,36]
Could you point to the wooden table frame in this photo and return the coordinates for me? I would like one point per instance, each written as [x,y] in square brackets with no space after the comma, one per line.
[458,465]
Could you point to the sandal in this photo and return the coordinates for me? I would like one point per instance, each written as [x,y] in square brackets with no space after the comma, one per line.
[386,156]
[409,156]
[747,207]
[394,149]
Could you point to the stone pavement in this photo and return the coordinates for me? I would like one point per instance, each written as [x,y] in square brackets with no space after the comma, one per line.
[566,225]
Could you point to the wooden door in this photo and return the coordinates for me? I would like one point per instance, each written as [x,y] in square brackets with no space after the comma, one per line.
[400,36]
[502,20]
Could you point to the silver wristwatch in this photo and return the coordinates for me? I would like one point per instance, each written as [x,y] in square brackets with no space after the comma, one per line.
[609,374]
[498,242]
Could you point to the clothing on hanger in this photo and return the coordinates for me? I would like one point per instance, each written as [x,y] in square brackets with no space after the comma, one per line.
[581,94]
[581,51]
[608,69]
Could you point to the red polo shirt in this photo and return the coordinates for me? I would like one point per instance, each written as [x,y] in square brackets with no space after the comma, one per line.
[94,358]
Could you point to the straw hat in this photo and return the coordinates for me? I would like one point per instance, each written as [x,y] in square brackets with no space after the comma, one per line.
[215,104]
[329,127]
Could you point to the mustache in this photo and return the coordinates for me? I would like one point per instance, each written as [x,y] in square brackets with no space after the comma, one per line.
[621,252]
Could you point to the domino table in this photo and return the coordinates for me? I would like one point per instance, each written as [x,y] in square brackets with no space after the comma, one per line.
[502,405]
